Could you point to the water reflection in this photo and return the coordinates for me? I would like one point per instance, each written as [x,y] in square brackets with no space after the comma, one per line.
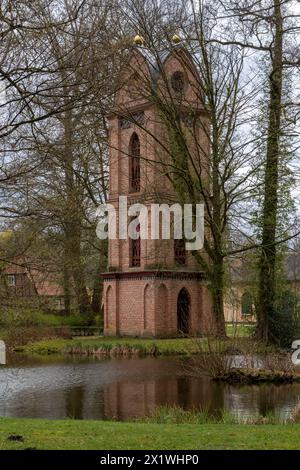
[126,388]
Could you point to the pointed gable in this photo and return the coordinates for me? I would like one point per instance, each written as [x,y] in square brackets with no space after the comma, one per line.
[135,79]
[162,72]
[180,76]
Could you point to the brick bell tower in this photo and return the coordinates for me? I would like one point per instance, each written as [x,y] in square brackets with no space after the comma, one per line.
[153,288]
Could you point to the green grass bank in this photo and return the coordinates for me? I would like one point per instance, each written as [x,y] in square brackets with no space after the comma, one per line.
[112,346]
[118,346]
[88,435]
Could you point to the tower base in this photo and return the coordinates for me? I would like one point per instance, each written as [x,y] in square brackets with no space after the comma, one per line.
[156,304]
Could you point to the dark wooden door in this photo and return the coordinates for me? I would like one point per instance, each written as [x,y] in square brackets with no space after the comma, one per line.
[183,312]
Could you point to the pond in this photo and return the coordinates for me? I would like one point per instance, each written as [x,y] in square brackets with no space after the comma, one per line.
[90,388]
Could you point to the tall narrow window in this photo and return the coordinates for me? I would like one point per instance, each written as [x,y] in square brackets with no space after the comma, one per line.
[135,250]
[135,173]
[11,280]
[179,251]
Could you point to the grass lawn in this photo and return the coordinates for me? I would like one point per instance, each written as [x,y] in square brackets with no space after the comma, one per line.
[240,329]
[87,435]
[172,346]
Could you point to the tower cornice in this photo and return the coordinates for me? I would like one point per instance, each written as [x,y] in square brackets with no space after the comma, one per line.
[152,274]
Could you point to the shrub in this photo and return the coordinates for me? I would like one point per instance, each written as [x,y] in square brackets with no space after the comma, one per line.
[279,362]
[16,337]
[29,317]
[240,361]
[216,358]
[99,320]
[26,317]
[74,320]
[285,324]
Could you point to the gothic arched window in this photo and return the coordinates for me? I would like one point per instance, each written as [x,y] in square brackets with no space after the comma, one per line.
[135,250]
[135,172]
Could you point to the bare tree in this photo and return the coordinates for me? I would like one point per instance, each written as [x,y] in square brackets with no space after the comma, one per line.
[269,27]
[67,148]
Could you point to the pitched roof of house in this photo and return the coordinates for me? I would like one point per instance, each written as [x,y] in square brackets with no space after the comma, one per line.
[46,282]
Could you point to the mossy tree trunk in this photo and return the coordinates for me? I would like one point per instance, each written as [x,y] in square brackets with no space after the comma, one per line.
[267,262]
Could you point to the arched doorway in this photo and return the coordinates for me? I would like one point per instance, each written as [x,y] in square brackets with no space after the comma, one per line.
[183,311]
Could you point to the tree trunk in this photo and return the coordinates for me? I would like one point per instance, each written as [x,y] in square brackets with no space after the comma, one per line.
[97,292]
[72,221]
[79,277]
[73,241]
[217,291]
[67,294]
[267,267]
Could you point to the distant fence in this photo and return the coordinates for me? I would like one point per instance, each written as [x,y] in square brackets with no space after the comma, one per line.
[86,330]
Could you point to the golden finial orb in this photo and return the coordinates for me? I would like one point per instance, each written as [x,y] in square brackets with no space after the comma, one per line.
[176,39]
[138,40]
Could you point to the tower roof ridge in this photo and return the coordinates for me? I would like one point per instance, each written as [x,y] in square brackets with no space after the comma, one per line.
[154,62]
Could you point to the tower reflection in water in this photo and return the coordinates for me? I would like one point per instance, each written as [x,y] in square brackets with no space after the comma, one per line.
[128,388]
[126,400]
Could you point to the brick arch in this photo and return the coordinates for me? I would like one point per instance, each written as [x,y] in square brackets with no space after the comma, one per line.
[179,287]
[147,307]
[108,304]
[162,300]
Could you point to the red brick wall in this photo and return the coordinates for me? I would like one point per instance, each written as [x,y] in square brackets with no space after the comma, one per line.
[148,307]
